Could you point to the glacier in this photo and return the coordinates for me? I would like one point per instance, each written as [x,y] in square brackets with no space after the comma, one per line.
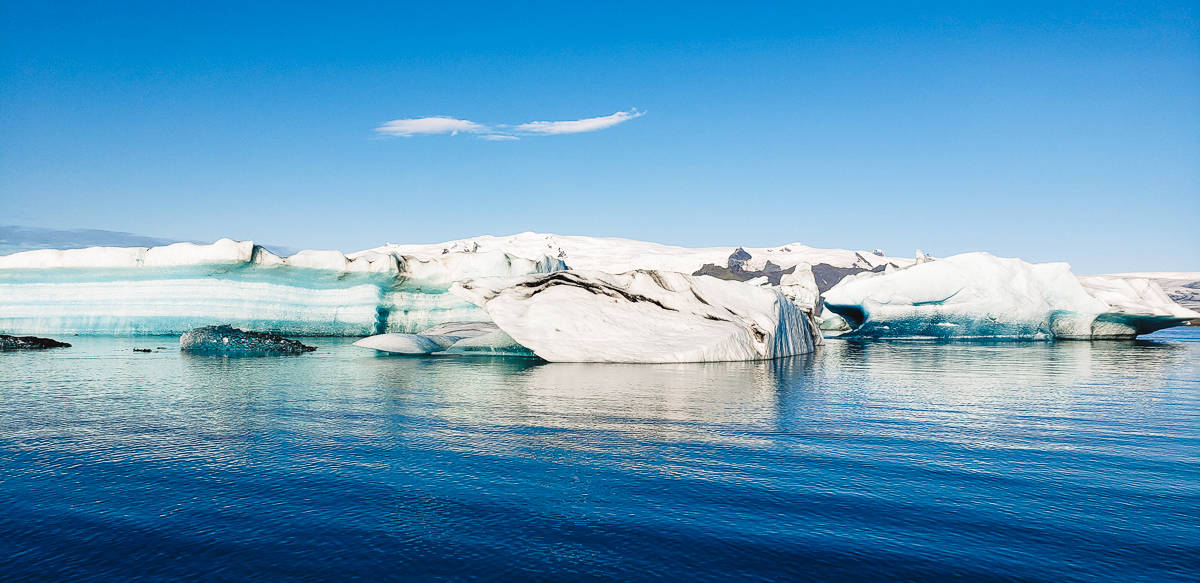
[642,316]
[983,296]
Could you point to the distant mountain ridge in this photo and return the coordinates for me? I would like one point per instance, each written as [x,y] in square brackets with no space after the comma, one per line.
[16,238]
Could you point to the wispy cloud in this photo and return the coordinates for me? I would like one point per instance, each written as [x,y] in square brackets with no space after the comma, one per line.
[578,126]
[429,125]
[407,128]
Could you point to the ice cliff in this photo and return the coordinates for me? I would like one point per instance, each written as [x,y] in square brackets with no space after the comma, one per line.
[174,288]
[979,295]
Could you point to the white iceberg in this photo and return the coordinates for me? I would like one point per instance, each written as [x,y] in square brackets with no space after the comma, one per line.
[175,288]
[642,316]
[391,289]
[1183,287]
[615,255]
[406,343]
[468,338]
[979,295]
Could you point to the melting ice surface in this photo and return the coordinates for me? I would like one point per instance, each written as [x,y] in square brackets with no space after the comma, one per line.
[1068,461]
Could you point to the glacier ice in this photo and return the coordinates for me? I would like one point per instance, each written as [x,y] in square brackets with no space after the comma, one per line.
[497,343]
[390,289]
[174,288]
[465,338]
[407,289]
[1183,287]
[615,255]
[405,343]
[979,295]
[641,316]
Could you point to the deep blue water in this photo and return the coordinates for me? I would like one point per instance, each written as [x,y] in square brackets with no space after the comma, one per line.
[1069,461]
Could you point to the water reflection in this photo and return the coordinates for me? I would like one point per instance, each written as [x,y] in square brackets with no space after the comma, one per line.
[702,402]
[955,460]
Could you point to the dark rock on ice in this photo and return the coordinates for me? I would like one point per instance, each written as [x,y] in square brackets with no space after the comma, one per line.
[28,343]
[229,340]
[736,270]
[828,275]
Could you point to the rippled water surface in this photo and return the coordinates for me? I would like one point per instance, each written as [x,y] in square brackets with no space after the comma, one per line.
[887,460]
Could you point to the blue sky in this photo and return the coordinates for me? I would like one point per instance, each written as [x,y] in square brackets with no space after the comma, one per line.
[1069,132]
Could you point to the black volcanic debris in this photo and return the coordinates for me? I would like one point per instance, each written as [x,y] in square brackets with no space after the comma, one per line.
[29,343]
[828,275]
[735,269]
[549,280]
[228,340]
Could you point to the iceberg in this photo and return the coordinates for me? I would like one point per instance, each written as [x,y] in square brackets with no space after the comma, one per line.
[980,295]
[464,338]
[171,289]
[615,255]
[1183,287]
[175,288]
[642,316]
[405,343]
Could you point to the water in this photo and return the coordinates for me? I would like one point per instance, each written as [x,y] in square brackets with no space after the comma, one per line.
[1070,461]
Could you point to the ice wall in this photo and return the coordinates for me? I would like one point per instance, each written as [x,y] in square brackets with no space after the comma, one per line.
[174,288]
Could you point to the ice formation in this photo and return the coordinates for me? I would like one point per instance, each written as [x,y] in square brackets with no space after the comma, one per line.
[469,338]
[642,316]
[391,289]
[979,295]
[614,255]
[405,289]
[1183,287]
[174,288]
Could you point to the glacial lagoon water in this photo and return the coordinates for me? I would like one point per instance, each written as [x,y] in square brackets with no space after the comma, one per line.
[1044,461]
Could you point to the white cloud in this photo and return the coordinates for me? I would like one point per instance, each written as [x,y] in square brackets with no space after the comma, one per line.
[591,124]
[429,125]
[408,128]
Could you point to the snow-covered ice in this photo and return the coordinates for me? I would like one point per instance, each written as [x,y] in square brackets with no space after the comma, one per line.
[406,289]
[174,288]
[615,255]
[979,295]
[390,289]
[1183,287]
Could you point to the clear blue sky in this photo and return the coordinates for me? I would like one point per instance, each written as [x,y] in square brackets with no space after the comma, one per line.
[1069,132]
